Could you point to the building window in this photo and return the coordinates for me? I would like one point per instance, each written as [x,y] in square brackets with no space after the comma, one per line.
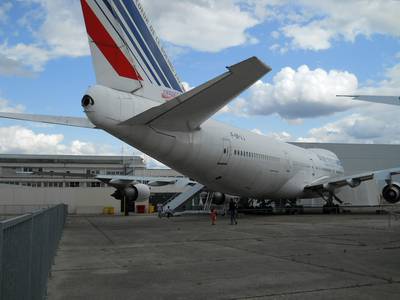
[74,184]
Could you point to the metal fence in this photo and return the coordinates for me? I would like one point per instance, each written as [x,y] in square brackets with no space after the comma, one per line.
[28,244]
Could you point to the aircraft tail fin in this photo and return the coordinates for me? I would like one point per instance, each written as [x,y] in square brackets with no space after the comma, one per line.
[126,53]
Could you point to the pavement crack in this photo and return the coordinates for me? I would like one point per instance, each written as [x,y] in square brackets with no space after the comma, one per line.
[313,290]
[101,231]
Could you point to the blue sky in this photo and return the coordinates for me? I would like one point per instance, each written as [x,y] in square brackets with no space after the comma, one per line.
[316,49]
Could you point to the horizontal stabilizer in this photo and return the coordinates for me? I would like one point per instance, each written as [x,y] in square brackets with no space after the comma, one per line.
[59,120]
[393,100]
[189,110]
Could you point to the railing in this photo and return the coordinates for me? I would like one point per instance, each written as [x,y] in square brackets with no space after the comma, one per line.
[28,244]
[20,209]
[183,197]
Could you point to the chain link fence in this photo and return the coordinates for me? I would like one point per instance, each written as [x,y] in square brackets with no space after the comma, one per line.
[28,244]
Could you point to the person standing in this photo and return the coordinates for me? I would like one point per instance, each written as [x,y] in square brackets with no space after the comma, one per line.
[233,211]
[213,216]
[169,212]
[159,210]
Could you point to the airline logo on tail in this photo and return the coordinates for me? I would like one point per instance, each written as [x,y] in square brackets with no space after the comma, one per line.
[124,46]
[107,46]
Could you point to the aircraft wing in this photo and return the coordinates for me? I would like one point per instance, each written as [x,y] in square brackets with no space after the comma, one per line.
[330,184]
[59,120]
[122,180]
[393,100]
[189,110]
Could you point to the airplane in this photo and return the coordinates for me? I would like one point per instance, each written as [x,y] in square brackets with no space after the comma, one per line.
[392,100]
[139,99]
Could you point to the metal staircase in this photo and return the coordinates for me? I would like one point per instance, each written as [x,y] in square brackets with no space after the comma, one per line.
[207,204]
[187,194]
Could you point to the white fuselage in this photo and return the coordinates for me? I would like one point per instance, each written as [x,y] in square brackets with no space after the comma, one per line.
[221,157]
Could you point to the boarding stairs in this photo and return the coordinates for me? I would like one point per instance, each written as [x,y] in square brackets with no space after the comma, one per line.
[207,204]
[181,198]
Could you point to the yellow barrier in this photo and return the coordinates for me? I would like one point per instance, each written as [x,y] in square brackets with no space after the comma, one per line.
[151,209]
[108,210]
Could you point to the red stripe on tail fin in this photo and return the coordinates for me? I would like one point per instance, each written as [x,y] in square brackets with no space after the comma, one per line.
[107,46]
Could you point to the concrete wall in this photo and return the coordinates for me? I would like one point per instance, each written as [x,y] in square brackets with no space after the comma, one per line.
[79,200]
[358,158]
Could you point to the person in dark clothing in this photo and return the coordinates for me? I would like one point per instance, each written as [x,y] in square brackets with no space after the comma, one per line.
[233,211]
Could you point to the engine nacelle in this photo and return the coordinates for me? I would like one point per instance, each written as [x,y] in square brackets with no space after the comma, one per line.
[391,192]
[218,198]
[138,192]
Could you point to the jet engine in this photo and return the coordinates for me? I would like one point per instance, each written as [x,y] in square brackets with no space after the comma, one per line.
[391,192]
[138,192]
[218,198]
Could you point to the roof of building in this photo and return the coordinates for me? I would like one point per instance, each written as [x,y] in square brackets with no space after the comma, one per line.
[50,158]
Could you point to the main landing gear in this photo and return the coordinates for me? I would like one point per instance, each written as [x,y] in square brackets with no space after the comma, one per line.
[330,206]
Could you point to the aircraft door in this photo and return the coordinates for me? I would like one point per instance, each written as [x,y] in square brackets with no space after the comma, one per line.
[287,164]
[226,152]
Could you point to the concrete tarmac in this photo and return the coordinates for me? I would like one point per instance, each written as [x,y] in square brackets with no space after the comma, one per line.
[263,257]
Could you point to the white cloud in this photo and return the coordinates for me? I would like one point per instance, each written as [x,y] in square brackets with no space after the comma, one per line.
[370,123]
[204,25]
[33,56]
[281,136]
[311,37]
[12,67]
[5,107]
[297,94]
[275,34]
[389,86]
[367,122]
[314,24]
[186,86]
[18,139]
[61,33]
[4,9]
[367,126]
[63,29]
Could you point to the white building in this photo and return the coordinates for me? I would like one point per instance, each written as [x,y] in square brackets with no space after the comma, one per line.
[36,180]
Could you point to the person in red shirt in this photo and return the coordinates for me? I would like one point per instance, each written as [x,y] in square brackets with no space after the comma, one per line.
[213,216]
